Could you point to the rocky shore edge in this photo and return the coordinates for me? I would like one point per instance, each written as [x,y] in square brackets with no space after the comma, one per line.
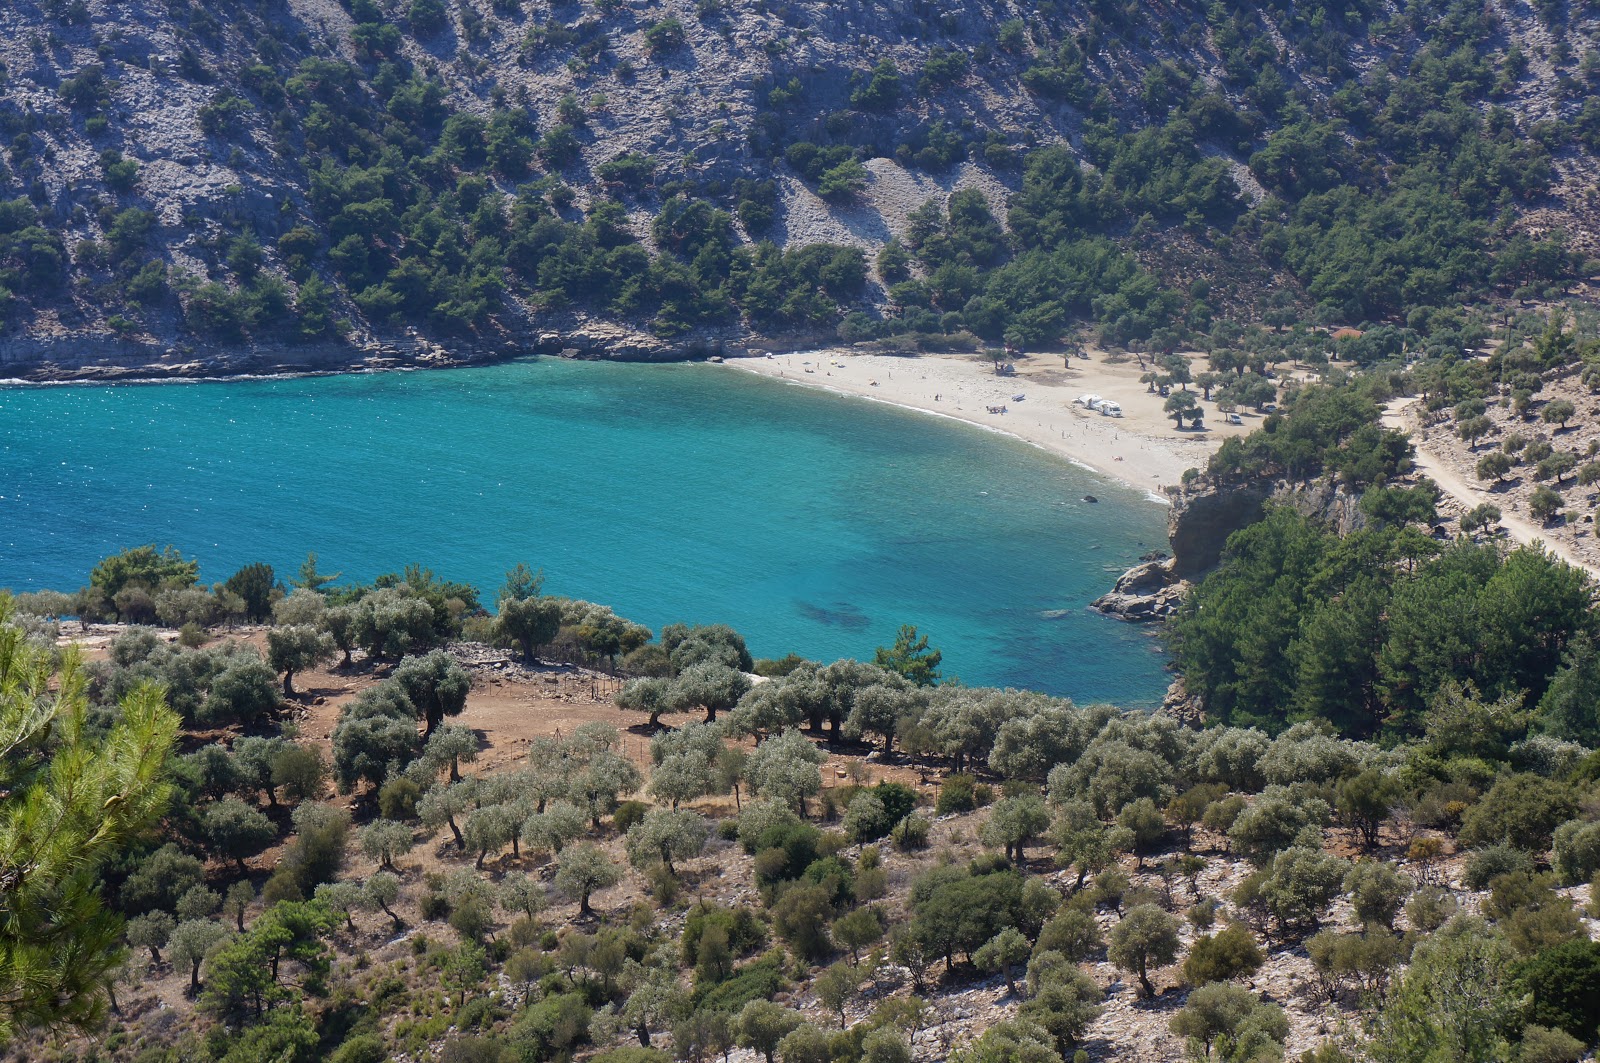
[104,358]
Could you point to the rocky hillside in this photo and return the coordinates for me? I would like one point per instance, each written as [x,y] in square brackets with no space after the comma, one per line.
[193,182]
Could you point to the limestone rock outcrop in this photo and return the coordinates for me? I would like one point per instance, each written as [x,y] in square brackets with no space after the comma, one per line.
[1148,591]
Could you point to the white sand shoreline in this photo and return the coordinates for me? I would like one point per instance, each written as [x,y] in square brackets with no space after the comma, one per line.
[1068,456]
[1142,449]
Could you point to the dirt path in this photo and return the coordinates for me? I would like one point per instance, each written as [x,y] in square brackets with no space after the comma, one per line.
[1452,483]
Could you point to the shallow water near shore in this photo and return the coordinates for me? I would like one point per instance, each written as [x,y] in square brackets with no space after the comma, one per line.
[812,522]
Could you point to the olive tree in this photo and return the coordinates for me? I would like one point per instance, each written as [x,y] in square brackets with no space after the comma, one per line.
[597,789]
[652,695]
[653,999]
[390,623]
[553,828]
[241,895]
[244,692]
[1014,823]
[376,736]
[436,684]
[1146,937]
[1084,842]
[528,623]
[879,708]
[857,929]
[150,931]
[441,805]
[1273,821]
[685,762]
[581,871]
[1296,886]
[342,623]
[785,768]
[522,893]
[302,605]
[489,829]
[1112,773]
[1028,746]
[382,890]
[709,685]
[198,902]
[762,1025]
[384,839]
[1230,755]
[450,745]
[342,898]
[236,830]
[1003,953]
[665,836]
[192,941]
[295,649]
[688,646]
[836,987]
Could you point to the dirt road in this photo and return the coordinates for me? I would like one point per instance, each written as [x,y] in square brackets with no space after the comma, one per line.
[1452,483]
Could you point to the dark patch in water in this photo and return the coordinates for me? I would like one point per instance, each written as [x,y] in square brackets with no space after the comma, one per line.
[842,615]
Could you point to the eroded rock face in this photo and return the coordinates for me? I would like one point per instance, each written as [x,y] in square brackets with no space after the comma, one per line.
[1147,591]
[1201,522]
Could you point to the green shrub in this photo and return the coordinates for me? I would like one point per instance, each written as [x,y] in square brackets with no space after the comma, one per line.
[911,833]
[628,814]
[434,906]
[665,36]
[397,799]
[761,979]
[1563,983]
[1576,856]
[1485,865]
[363,1048]
[741,927]
[1223,956]
[1519,810]
[958,794]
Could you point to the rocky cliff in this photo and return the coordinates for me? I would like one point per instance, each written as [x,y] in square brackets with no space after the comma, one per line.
[1198,528]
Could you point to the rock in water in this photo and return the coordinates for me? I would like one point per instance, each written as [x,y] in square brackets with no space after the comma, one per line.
[1147,591]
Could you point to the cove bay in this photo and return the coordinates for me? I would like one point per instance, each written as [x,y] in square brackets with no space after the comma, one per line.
[811,522]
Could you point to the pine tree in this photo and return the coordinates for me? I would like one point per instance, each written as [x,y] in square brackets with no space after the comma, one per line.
[71,801]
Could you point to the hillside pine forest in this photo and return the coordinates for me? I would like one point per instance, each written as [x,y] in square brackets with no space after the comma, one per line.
[288,817]
[290,172]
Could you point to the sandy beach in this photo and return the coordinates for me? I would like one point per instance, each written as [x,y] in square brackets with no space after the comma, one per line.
[1142,448]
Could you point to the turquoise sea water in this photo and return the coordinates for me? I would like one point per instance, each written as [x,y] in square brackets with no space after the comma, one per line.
[811,522]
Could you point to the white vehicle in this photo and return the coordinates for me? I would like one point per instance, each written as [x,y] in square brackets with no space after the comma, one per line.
[1110,409]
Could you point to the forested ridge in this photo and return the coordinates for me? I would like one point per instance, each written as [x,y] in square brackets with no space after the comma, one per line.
[295,172]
